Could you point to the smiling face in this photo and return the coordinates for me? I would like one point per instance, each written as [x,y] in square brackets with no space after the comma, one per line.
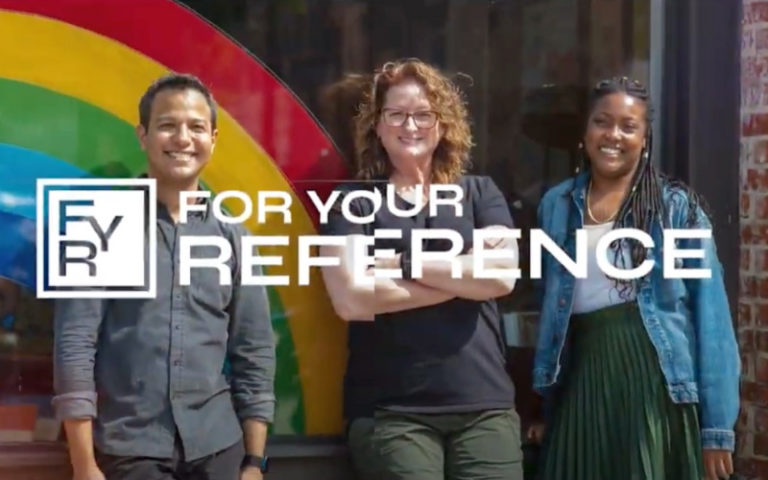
[179,138]
[408,127]
[615,136]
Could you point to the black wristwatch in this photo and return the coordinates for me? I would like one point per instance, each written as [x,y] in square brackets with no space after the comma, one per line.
[262,463]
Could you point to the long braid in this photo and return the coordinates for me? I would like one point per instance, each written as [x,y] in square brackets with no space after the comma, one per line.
[644,203]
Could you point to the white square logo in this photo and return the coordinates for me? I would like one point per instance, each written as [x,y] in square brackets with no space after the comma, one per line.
[96,238]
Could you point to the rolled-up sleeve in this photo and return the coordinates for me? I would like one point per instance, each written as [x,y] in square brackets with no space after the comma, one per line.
[251,348]
[76,332]
[719,364]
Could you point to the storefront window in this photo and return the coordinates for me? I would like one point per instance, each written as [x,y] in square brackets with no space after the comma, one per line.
[525,67]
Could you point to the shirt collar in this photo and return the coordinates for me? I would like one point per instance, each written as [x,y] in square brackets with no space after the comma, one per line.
[162,209]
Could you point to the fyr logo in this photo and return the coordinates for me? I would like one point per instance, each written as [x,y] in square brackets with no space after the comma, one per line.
[96,238]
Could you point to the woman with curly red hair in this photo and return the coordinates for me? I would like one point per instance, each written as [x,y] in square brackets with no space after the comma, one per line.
[444,404]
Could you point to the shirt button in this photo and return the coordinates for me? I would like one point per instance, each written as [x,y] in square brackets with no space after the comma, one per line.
[177,362]
[177,327]
[562,302]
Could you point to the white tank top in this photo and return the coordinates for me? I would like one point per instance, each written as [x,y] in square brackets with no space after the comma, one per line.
[598,290]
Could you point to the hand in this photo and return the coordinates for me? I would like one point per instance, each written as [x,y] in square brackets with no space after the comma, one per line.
[536,433]
[493,243]
[90,472]
[718,464]
[251,473]
[390,263]
[498,243]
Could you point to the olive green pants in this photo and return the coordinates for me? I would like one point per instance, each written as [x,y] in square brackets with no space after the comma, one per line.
[462,446]
[365,460]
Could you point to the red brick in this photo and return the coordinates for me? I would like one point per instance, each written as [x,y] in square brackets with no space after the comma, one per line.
[760,315]
[755,393]
[748,367]
[761,420]
[761,38]
[746,235]
[747,341]
[744,422]
[761,207]
[743,448]
[755,13]
[764,95]
[744,206]
[745,257]
[761,260]
[752,90]
[755,124]
[762,288]
[748,286]
[761,341]
[761,180]
[748,391]
[760,152]
[752,67]
[752,469]
[751,94]
[756,179]
[745,315]
[761,445]
[750,182]
[754,235]
[761,370]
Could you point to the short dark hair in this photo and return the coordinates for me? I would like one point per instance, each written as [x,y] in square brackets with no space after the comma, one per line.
[174,81]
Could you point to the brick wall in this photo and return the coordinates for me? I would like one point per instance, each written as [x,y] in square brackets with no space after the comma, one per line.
[752,454]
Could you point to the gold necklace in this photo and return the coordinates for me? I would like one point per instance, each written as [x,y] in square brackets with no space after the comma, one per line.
[589,209]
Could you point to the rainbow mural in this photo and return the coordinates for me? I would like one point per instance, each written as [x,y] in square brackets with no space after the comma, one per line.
[71,74]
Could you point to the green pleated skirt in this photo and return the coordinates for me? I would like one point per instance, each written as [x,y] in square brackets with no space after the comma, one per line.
[613,418]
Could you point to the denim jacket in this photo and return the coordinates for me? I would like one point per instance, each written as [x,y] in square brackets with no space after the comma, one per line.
[688,320]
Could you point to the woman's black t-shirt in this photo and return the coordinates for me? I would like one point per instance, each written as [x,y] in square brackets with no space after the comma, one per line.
[442,358]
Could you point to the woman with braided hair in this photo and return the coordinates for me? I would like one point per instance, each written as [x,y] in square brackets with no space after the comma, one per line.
[640,377]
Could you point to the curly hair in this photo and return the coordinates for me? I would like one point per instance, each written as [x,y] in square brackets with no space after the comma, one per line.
[339,103]
[451,157]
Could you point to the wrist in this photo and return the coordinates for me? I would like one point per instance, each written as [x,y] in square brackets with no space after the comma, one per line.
[257,462]
[82,460]
[83,469]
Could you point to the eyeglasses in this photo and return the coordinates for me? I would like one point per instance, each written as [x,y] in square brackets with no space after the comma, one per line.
[423,119]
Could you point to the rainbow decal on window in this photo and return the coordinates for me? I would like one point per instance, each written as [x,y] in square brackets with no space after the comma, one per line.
[71,74]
